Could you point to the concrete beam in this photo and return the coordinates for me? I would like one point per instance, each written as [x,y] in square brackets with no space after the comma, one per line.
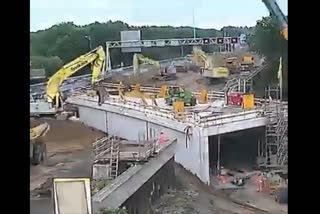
[93,103]
[235,126]
[127,184]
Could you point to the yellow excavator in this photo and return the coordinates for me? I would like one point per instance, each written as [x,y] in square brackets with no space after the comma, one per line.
[207,65]
[37,143]
[96,58]
[139,59]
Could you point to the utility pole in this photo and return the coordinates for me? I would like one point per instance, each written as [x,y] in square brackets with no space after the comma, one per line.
[89,42]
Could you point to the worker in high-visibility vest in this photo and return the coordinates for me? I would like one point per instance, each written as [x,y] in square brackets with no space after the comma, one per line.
[163,138]
[260,183]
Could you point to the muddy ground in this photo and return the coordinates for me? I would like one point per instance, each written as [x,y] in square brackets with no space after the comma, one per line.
[191,81]
[69,146]
[194,197]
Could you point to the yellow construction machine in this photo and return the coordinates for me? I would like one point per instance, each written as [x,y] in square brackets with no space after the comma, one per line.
[139,59]
[96,58]
[247,63]
[207,64]
[37,143]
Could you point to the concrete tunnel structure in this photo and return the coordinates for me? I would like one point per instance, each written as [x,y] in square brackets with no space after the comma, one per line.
[129,120]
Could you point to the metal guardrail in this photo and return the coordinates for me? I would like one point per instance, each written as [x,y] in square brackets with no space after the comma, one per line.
[212,95]
[232,84]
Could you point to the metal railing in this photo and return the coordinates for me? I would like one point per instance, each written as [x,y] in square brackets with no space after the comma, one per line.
[188,117]
[212,95]
[232,84]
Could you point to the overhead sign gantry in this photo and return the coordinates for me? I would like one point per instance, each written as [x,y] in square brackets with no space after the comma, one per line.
[167,43]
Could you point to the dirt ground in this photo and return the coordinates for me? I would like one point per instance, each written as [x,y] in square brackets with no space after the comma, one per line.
[68,155]
[67,136]
[190,81]
[194,197]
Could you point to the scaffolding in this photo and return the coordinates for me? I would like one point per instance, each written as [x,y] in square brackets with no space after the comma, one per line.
[275,149]
[108,146]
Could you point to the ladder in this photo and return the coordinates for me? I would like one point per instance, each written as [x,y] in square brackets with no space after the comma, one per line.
[114,157]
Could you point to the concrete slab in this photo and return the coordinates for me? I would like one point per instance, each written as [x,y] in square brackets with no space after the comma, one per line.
[115,194]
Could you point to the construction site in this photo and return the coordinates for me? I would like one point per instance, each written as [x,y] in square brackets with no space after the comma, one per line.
[183,135]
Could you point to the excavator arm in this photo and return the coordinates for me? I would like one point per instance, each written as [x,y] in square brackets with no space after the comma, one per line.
[139,59]
[276,12]
[96,58]
[201,56]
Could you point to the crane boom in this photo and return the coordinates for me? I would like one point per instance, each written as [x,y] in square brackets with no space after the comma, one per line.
[276,12]
[96,58]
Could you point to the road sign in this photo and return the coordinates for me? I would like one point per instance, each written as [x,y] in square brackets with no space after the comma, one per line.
[220,40]
[234,40]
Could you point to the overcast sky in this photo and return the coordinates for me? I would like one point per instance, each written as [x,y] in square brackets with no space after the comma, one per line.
[208,13]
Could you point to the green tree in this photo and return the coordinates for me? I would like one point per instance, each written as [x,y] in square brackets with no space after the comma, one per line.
[268,41]
[50,64]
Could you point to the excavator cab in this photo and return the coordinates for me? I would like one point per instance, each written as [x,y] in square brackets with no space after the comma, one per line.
[57,101]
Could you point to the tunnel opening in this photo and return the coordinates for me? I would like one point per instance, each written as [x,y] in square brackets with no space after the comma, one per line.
[238,150]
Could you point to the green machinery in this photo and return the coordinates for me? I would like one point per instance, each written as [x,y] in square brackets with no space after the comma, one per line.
[176,93]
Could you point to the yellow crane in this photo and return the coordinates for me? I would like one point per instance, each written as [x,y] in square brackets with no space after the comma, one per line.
[276,12]
[96,58]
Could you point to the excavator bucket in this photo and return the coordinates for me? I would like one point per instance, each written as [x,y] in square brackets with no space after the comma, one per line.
[39,131]
[38,149]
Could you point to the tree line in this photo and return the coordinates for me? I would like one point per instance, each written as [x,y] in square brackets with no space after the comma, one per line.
[64,42]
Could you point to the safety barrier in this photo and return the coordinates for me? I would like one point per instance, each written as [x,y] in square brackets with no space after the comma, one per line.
[212,95]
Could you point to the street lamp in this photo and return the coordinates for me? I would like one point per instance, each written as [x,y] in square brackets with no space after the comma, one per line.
[194,23]
[89,40]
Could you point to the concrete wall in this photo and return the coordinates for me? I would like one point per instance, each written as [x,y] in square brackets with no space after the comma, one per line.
[139,186]
[190,153]
[125,126]
[141,201]
[93,118]
[193,154]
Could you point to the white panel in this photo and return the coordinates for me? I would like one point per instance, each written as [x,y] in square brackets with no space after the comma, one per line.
[132,35]
[125,126]
[94,118]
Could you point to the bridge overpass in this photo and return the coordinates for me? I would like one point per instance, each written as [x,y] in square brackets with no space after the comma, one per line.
[129,119]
